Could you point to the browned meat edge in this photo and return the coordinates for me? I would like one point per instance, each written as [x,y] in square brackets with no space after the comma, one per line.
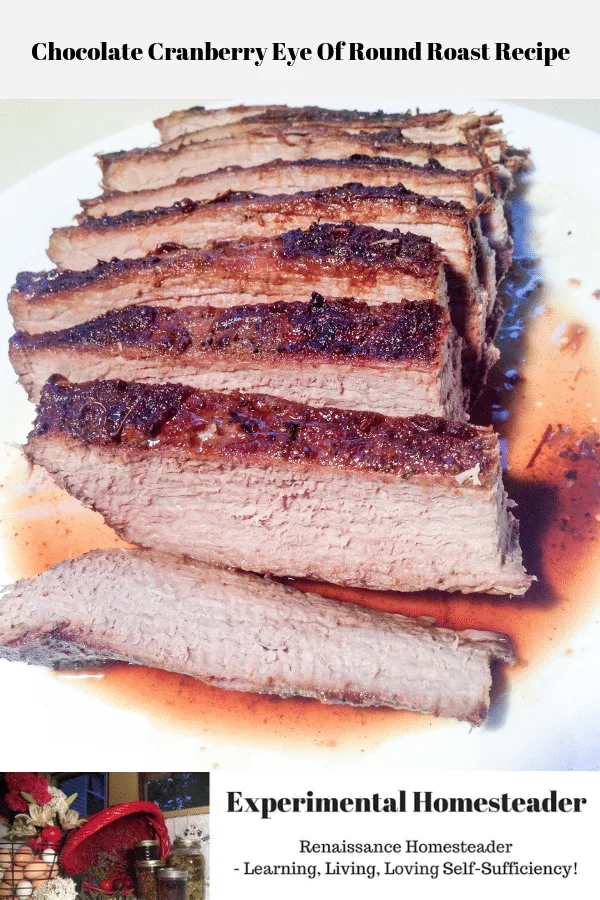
[355,164]
[335,246]
[363,141]
[484,140]
[333,330]
[445,128]
[317,203]
[180,121]
[172,418]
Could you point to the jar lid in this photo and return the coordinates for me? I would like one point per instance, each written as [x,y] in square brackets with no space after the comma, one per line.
[187,842]
[146,844]
[173,874]
[150,863]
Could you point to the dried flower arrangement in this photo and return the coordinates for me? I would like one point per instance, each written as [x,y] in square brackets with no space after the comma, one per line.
[29,850]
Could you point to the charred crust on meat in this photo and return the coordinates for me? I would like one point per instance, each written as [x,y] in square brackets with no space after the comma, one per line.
[341,329]
[432,167]
[348,242]
[54,281]
[344,195]
[325,244]
[250,428]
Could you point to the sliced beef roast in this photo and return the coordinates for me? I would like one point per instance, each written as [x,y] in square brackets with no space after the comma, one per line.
[443,127]
[244,633]
[281,177]
[471,263]
[336,260]
[268,485]
[398,359]
[135,170]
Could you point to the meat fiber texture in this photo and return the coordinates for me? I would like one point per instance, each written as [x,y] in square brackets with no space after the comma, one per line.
[280,177]
[244,633]
[437,129]
[334,260]
[141,169]
[267,485]
[470,261]
[397,359]
[443,127]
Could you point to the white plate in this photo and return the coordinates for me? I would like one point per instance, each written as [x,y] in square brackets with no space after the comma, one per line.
[551,717]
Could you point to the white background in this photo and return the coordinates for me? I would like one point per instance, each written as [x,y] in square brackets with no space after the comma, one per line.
[550,838]
[184,24]
[236,838]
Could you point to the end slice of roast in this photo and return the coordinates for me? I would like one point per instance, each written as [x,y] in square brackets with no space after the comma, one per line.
[398,359]
[443,127]
[438,128]
[267,485]
[334,260]
[245,633]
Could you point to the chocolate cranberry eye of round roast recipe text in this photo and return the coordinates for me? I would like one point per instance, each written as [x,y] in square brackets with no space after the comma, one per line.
[258,359]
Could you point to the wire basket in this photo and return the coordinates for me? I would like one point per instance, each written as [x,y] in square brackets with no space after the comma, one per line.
[24,869]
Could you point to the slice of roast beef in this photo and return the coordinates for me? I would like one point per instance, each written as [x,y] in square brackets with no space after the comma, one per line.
[471,263]
[240,216]
[140,169]
[245,633]
[335,260]
[437,129]
[398,359]
[182,121]
[281,177]
[267,485]
[443,127]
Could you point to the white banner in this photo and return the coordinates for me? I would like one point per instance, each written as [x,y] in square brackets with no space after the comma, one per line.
[405,834]
[66,50]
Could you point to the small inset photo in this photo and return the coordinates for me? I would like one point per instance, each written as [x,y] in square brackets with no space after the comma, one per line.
[95,835]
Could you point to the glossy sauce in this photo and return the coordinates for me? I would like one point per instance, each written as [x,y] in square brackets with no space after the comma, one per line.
[544,399]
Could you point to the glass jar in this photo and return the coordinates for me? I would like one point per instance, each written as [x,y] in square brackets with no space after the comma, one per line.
[145,875]
[187,855]
[172,884]
[146,850]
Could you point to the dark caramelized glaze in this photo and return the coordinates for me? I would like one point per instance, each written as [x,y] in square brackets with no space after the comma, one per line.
[315,203]
[323,330]
[357,248]
[262,429]
[351,243]
[355,163]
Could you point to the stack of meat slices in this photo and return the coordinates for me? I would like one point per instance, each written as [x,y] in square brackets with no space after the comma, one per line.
[268,367]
